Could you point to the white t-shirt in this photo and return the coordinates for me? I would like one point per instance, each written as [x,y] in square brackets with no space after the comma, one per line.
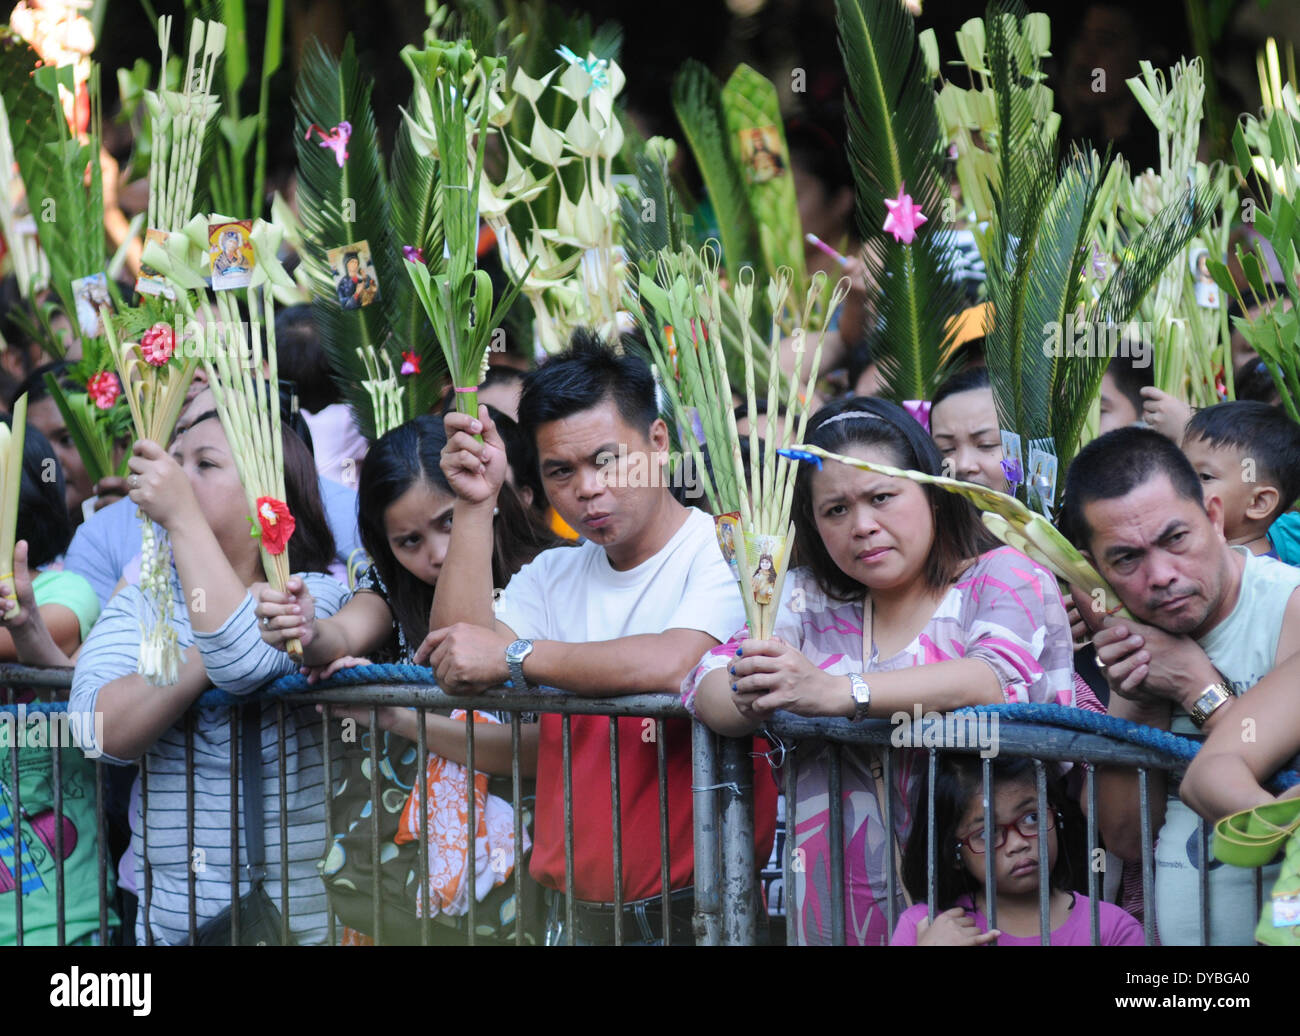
[573,594]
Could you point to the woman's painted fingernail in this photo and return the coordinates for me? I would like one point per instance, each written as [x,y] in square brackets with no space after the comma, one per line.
[733,686]
[739,652]
[733,670]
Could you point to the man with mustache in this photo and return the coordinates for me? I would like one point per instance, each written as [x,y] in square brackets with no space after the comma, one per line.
[1208,622]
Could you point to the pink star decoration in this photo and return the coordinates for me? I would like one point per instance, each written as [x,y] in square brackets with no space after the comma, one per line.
[335,139]
[904,217]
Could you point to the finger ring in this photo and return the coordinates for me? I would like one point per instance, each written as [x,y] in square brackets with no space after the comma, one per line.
[266,622]
[133,481]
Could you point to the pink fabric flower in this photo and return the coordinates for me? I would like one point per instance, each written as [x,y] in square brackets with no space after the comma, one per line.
[410,363]
[103,389]
[158,344]
[904,216]
[412,254]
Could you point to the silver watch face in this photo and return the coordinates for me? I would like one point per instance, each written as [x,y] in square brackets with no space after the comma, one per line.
[861,692]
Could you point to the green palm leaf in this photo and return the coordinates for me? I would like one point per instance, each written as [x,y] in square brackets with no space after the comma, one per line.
[341,205]
[697,102]
[894,142]
[1145,258]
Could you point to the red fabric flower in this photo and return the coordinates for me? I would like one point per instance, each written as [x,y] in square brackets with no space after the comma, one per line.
[276,523]
[103,389]
[157,344]
[410,363]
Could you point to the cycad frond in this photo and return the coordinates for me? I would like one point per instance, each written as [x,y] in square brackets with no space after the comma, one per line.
[1145,258]
[697,102]
[1040,293]
[894,144]
[339,206]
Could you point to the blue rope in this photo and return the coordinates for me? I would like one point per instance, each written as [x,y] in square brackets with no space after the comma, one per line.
[294,682]
[33,707]
[1064,716]
[1071,718]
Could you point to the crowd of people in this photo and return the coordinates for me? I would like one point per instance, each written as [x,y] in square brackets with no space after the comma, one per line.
[899,587]
[513,547]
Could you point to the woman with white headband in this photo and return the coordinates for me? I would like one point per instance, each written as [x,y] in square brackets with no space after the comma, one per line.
[894,576]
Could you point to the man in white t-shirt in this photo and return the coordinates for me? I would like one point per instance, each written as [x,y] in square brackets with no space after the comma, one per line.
[630,610]
[1208,622]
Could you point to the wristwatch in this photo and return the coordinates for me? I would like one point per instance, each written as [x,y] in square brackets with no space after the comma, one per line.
[515,655]
[861,695]
[1212,698]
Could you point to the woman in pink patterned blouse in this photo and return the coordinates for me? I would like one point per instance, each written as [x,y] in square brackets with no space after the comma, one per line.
[982,621]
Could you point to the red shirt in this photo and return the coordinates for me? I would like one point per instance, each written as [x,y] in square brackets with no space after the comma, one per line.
[593,834]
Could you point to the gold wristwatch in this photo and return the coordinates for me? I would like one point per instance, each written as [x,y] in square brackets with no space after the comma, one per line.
[1214,697]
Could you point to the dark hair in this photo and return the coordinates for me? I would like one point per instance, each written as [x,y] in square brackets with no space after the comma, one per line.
[967,380]
[311,547]
[1261,432]
[1131,379]
[34,384]
[349,256]
[959,778]
[521,454]
[584,376]
[860,358]
[1115,464]
[301,359]
[404,457]
[1253,381]
[43,519]
[958,533]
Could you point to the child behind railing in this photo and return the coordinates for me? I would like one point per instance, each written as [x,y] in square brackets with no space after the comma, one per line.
[964,849]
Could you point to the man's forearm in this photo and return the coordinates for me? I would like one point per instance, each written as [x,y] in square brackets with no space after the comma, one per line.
[629,665]
[1220,785]
[464,592]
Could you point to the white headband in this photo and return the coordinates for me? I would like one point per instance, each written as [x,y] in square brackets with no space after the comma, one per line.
[849,415]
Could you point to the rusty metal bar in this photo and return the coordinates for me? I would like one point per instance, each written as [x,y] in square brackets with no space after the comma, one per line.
[191,862]
[516,733]
[56,761]
[835,833]
[422,782]
[1044,875]
[1148,858]
[566,747]
[707,828]
[282,775]
[665,869]
[471,813]
[376,912]
[616,843]
[1094,882]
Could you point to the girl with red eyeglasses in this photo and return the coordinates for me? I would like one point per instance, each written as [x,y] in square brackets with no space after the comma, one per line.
[1011,847]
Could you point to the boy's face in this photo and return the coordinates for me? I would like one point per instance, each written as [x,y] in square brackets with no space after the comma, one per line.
[1223,474]
[1116,409]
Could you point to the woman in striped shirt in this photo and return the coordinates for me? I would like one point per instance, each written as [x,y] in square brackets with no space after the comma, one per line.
[194,494]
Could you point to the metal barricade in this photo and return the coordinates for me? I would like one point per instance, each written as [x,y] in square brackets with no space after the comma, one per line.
[722,795]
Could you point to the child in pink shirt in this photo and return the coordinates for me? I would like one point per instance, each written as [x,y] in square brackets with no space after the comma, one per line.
[1011,848]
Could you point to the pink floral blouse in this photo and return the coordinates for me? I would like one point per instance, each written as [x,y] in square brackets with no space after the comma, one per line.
[1005,611]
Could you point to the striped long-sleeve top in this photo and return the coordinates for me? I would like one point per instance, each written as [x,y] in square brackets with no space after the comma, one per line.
[237,661]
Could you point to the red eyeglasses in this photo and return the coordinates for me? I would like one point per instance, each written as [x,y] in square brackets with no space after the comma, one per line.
[1026,825]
